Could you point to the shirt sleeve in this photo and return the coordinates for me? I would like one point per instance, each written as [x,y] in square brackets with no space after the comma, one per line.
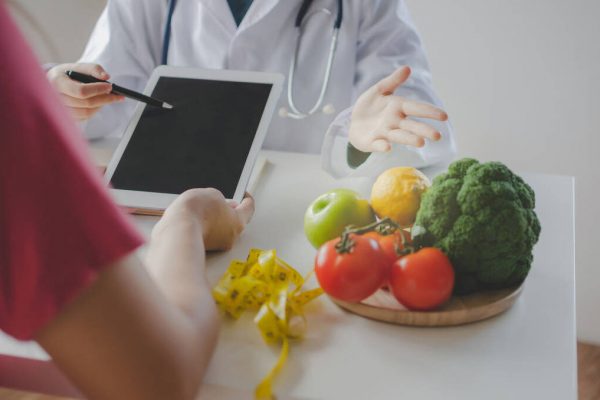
[388,39]
[127,43]
[58,225]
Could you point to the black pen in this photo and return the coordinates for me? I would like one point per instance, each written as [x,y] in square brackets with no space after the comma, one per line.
[116,89]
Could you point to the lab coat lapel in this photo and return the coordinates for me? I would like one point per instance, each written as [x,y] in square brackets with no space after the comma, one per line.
[258,9]
[222,13]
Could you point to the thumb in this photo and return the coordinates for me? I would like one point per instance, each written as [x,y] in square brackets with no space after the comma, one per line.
[245,209]
[381,145]
[390,83]
[94,70]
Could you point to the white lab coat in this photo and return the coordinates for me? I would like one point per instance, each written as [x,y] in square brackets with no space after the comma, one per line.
[376,37]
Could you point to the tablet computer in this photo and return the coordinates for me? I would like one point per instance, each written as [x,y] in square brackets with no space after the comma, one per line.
[211,137]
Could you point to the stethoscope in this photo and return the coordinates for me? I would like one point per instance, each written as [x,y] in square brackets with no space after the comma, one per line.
[299,24]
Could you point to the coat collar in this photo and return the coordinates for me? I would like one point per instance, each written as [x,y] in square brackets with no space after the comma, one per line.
[221,11]
[257,11]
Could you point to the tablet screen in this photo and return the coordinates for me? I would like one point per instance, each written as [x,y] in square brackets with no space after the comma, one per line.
[202,142]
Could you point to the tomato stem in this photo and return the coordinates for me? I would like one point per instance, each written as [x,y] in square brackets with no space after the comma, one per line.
[384,227]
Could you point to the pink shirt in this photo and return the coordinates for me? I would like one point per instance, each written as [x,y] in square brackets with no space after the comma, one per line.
[58,225]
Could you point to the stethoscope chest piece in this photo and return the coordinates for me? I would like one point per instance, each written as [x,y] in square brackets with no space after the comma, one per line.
[327,109]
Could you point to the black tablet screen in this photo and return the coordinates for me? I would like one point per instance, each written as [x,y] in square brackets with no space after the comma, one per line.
[202,142]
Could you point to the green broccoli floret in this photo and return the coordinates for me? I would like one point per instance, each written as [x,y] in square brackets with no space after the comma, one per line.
[482,217]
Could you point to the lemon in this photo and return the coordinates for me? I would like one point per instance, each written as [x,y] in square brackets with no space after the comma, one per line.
[397,194]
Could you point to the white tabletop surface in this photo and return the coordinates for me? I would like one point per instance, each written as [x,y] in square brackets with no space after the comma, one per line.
[529,352]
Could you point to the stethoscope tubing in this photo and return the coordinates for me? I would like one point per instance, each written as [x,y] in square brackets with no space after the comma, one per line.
[167,33]
[296,113]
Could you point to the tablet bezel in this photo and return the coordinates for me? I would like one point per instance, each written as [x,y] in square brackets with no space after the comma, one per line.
[152,201]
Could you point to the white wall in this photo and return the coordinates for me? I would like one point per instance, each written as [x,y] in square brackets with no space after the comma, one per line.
[520,80]
[57,29]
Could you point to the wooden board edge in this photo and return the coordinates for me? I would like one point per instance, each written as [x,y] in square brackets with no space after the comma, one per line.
[433,318]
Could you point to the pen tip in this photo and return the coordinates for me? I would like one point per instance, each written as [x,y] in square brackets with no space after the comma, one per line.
[167,106]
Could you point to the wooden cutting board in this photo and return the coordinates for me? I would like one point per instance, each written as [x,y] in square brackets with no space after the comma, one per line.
[459,310]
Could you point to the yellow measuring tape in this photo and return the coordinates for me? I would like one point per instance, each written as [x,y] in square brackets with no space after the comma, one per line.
[268,284]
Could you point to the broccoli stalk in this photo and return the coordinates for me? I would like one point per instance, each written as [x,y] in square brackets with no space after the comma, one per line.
[481,215]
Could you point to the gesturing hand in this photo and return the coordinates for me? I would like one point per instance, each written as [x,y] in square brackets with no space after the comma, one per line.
[380,118]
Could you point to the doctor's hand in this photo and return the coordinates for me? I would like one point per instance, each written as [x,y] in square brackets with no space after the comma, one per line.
[220,221]
[83,99]
[379,118]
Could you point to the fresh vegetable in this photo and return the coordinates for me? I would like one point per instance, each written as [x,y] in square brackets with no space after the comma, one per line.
[396,194]
[392,245]
[331,212]
[482,216]
[351,268]
[422,280]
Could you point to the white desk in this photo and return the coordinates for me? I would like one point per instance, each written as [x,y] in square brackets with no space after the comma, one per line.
[527,353]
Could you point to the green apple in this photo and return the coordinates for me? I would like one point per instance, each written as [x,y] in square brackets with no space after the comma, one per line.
[331,212]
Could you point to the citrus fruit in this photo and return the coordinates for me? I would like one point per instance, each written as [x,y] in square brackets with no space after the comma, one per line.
[397,194]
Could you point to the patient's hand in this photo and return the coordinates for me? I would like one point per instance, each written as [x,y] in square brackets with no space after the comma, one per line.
[221,221]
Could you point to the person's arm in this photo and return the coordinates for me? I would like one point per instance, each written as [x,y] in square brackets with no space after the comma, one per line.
[67,273]
[133,336]
[125,45]
[397,117]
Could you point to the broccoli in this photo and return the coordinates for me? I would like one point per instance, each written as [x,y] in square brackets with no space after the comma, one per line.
[481,215]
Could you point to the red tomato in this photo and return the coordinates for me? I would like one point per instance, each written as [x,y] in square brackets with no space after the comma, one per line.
[351,276]
[391,244]
[422,280]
